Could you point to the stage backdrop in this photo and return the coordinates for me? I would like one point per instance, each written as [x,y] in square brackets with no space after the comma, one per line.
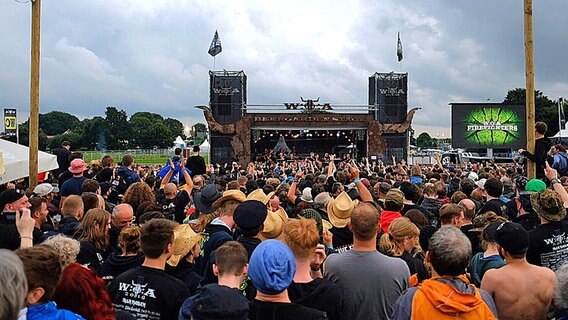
[488,125]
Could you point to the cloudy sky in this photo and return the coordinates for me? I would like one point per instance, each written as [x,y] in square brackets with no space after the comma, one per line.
[151,55]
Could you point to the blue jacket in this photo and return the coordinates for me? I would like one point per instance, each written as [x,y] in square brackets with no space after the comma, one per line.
[49,311]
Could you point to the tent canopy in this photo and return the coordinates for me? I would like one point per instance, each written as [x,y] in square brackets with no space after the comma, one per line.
[15,159]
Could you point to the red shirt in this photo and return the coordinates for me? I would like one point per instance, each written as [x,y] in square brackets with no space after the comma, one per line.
[386,218]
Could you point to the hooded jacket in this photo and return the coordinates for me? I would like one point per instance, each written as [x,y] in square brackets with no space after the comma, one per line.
[116,264]
[433,207]
[445,298]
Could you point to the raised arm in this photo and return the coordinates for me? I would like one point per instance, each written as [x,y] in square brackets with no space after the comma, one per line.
[168,176]
[292,192]
[558,187]
[364,193]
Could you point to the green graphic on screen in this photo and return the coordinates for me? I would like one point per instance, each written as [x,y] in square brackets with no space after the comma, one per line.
[493,126]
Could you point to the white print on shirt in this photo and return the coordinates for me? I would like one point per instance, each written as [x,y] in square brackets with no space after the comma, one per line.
[136,290]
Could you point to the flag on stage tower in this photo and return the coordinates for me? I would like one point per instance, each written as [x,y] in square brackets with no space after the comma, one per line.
[399,48]
[215,47]
[561,114]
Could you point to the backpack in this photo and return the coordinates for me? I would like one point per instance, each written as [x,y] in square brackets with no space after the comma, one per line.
[119,183]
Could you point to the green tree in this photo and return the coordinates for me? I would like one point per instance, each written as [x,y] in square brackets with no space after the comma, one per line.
[424,140]
[546,110]
[118,128]
[176,128]
[24,136]
[57,122]
[199,127]
[94,133]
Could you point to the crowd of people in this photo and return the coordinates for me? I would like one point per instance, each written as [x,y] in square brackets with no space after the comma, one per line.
[313,237]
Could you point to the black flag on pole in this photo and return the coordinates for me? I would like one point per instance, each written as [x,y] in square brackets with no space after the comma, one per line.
[215,47]
[561,114]
[399,49]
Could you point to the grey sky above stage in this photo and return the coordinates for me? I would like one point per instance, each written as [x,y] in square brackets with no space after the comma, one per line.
[147,55]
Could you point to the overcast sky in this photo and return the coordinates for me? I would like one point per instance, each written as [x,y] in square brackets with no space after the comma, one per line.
[151,55]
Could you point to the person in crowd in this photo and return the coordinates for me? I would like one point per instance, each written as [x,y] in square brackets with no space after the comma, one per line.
[13,285]
[541,146]
[561,293]
[308,288]
[493,189]
[559,159]
[271,269]
[339,211]
[489,258]
[107,171]
[371,291]
[147,289]
[62,153]
[74,183]
[48,191]
[90,201]
[39,213]
[401,241]
[82,292]
[448,294]
[417,217]
[181,264]
[174,202]
[411,197]
[128,257]
[67,248]
[468,213]
[43,271]
[546,248]
[431,204]
[521,206]
[13,203]
[195,163]
[91,185]
[137,193]
[93,236]
[127,174]
[121,217]
[451,214]
[72,211]
[221,300]
[520,290]
[394,203]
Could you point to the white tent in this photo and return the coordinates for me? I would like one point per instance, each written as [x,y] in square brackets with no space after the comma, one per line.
[562,134]
[204,147]
[15,159]
[179,143]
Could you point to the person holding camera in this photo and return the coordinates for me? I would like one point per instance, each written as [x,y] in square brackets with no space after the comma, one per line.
[541,147]
[13,203]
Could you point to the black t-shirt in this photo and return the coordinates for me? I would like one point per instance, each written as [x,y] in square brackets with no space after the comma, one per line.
[148,293]
[497,206]
[90,256]
[549,245]
[174,208]
[342,237]
[260,310]
[473,238]
[320,294]
[196,164]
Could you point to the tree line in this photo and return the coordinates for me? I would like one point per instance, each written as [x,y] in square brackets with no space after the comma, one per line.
[114,131]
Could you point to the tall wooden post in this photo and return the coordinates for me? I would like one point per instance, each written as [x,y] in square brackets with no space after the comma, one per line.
[34,93]
[529,73]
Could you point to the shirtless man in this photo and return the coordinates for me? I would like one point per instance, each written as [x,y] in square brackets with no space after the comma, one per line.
[520,290]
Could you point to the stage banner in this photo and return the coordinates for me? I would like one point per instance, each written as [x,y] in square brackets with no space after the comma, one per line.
[10,122]
[488,125]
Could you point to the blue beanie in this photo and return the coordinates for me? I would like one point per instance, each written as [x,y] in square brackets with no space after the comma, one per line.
[272,267]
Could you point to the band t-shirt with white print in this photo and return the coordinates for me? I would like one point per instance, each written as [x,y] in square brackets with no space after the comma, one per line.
[148,293]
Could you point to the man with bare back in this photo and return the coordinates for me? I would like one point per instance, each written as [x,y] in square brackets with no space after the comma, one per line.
[520,290]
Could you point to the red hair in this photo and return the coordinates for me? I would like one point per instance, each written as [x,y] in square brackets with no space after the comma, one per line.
[81,291]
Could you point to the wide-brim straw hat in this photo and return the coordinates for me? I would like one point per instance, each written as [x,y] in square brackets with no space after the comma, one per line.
[259,195]
[184,239]
[273,226]
[232,194]
[339,210]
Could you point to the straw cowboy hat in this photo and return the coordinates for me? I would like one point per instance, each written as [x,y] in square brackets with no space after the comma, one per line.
[184,239]
[340,209]
[273,226]
[259,195]
[232,194]
[281,212]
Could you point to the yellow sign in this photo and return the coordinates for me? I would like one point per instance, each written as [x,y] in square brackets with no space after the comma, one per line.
[10,123]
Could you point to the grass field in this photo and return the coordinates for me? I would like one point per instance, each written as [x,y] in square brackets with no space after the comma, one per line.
[140,157]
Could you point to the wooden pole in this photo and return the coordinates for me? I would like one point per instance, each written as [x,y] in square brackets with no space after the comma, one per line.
[34,93]
[529,74]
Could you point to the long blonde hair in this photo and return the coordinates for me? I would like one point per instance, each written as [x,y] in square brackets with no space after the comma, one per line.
[392,242]
[94,228]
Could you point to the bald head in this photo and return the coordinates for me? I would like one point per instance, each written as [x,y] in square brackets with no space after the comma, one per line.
[122,215]
[469,208]
[170,190]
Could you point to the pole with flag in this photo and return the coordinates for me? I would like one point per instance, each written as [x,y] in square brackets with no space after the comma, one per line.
[215,47]
[561,117]
[399,51]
